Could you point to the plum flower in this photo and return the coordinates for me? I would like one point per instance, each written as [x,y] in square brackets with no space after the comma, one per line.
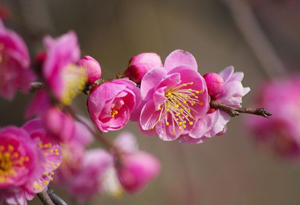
[26,169]
[51,151]
[60,72]
[175,97]
[228,91]
[14,64]
[138,168]
[60,125]
[73,152]
[88,180]
[110,105]
[64,79]
[281,132]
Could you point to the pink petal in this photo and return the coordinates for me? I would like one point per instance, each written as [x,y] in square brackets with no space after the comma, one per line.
[180,58]
[150,81]
[149,116]
[203,125]
[226,73]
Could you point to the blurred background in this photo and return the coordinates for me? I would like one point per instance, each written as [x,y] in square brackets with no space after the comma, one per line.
[258,37]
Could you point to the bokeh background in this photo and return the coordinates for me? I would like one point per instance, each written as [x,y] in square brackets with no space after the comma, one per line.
[258,37]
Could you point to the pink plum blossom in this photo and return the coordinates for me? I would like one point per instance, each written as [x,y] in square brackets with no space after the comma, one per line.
[59,124]
[138,168]
[139,65]
[52,155]
[214,122]
[85,173]
[175,97]
[19,157]
[28,158]
[88,180]
[73,152]
[92,67]
[110,104]
[60,72]
[281,132]
[63,77]
[15,72]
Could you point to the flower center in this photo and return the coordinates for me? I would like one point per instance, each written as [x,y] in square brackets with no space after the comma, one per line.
[113,113]
[10,160]
[178,108]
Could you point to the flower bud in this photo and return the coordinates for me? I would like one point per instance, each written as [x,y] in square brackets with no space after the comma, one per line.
[60,125]
[139,65]
[215,83]
[137,170]
[92,67]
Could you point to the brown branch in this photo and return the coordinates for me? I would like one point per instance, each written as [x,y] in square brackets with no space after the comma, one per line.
[35,86]
[45,198]
[55,198]
[235,111]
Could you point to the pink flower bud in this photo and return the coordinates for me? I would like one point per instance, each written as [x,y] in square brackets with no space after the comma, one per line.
[92,66]
[215,83]
[139,65]
[60,125]
[137,170]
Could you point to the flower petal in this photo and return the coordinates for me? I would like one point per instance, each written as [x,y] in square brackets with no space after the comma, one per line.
[180,58]
[150,80]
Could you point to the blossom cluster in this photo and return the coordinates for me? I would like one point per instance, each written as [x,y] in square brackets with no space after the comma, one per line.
[170,100]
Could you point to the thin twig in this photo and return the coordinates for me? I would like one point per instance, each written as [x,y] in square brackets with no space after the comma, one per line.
[45,198]
[235,111]
[55,198]
[248,25]
[35,86]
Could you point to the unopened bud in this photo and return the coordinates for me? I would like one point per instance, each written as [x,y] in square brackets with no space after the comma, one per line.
[92,67]
[139,65]
[215,83]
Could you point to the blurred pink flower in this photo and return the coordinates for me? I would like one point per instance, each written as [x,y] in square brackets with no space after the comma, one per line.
[28,158]
[111,104]
[60,72]
[175,97]
[140,64]
[214,122]
[19,157]
[51,153]
[60,125]
[138,168]
[92,67]
[73,152]
[280,97]
[14,64]
[88,180]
